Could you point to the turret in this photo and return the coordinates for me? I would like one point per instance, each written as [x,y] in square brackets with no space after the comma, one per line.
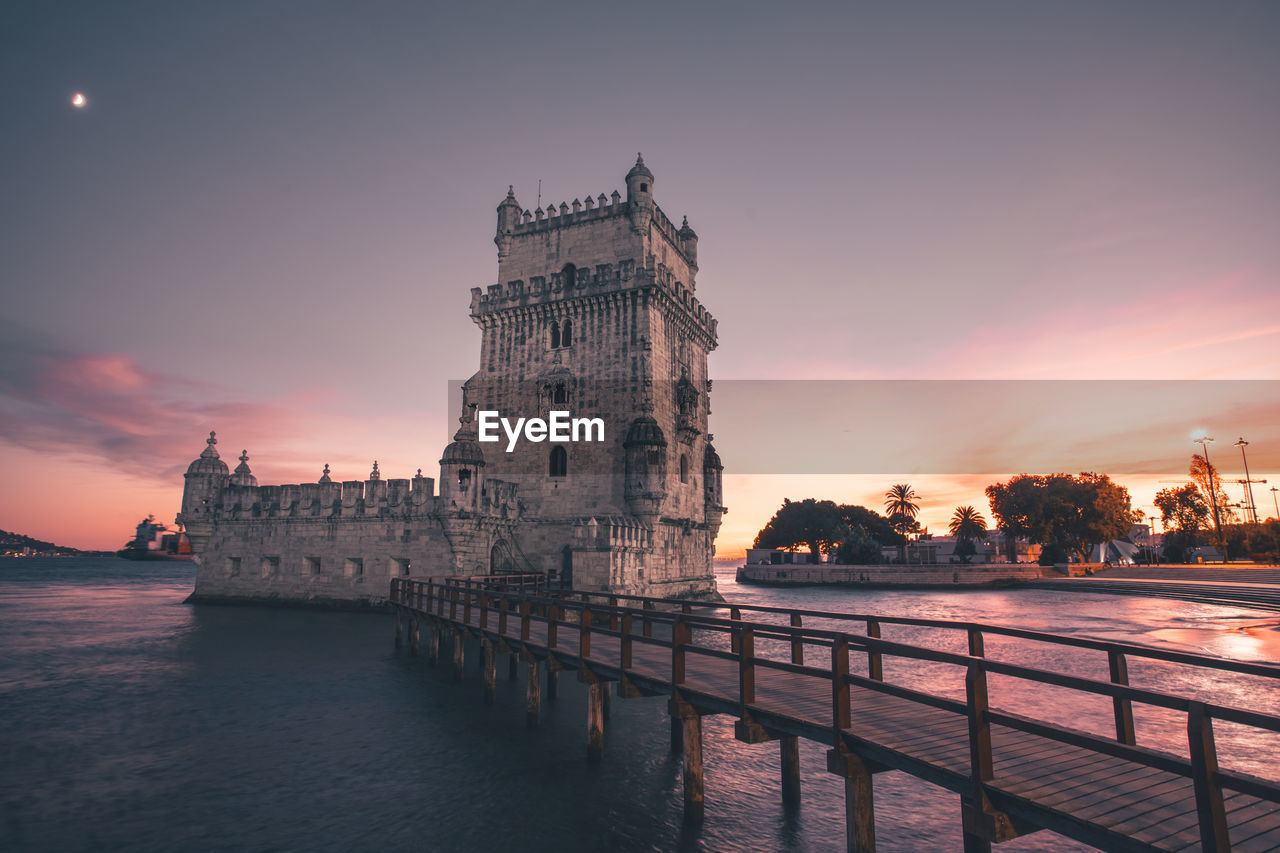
[508,219]
[689,244]
[242,475]
[205,479]
[640,194]
[712,473]
[646,467]
[461,472]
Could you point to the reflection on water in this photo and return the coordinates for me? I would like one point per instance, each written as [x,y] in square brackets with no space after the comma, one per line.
[131,720]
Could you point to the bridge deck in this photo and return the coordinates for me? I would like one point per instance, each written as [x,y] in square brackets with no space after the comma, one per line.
[1138,799]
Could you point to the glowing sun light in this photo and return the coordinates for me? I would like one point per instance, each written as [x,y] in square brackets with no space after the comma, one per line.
[79,101]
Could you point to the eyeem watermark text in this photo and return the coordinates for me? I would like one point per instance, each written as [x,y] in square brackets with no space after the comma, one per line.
[559,427]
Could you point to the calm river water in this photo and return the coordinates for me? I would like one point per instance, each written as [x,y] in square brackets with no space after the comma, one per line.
[129,720]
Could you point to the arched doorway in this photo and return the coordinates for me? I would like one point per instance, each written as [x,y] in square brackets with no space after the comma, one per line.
[500,562]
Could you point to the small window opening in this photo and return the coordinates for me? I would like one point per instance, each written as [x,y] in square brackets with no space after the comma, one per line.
[653,457]
[684,468]
[560,395]
[644,188]
[559,466]
[566,336]
[555,335]
[464,479]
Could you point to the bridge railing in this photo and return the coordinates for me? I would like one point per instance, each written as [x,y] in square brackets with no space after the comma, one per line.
[734,638]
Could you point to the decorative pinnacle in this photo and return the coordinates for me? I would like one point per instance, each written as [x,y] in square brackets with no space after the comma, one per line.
[210,451]
[419,472]
[374,475]
[244,456]
[324,478]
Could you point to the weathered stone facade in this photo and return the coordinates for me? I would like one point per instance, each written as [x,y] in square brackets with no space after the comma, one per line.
[594,313]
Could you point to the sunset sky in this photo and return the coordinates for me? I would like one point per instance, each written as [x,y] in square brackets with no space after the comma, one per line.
[266,219]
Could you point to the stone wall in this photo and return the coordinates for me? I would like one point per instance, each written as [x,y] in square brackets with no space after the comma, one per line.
[931,576]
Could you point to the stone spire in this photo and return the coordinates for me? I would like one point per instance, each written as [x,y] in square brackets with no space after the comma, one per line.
[324,477]
[374,475]
[211,446]
[242,475]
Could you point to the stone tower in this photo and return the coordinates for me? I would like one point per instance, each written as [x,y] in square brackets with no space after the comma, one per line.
[594,313]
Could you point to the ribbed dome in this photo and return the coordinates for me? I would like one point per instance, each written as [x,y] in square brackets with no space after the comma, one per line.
[645,432]
[639,169]
[711,459]
[208,463]
[463,450]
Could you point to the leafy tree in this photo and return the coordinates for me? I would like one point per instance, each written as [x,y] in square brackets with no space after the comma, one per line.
[1209,483]
[1070,513]
[966,525]
[875,524]
[859,548]
[817,524]
[1184,512]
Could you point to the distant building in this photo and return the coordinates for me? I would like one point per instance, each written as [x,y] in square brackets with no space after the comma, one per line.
[594,312]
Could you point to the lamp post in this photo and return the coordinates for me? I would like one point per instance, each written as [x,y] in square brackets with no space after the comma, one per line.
[1273,501]
[1248,483]
[1203,441]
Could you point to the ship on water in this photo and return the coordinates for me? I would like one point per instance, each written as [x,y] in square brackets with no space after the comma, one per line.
[144,546]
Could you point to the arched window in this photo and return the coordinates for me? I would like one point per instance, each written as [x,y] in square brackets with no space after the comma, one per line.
[560,396]
[464,479]
[559,466]
[555,335]
[569,275]
[566,336]
[684,468]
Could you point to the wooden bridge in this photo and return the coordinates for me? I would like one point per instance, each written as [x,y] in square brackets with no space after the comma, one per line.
[783,681]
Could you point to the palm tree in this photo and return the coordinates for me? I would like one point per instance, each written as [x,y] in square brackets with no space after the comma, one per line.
[901,507]
[966,525]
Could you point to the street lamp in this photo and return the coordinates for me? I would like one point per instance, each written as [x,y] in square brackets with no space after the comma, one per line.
[1203,441]
[1248,484]
[1273,501]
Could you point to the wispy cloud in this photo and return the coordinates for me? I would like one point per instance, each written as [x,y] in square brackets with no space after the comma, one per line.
[108,410]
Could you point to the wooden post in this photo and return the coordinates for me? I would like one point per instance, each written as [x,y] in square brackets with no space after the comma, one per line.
[875,663]
[533,695]
[490,671]
[433,648]
[980,760]
[627,643]
[415,631]
[399,627]
[735,614]
[584,636]
[553,681]
[647,626]
[525,616]
[680,637]
[553,622]
[484,610]
[789,748]
[606,689]
[694,784]
[797,644]
[513,668]
[595,719]
[502,616]
[453,604]
[459,654]
[859,806]
[466,604]
[1122,705]
[1204,777]
[841,717]
[746,669]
